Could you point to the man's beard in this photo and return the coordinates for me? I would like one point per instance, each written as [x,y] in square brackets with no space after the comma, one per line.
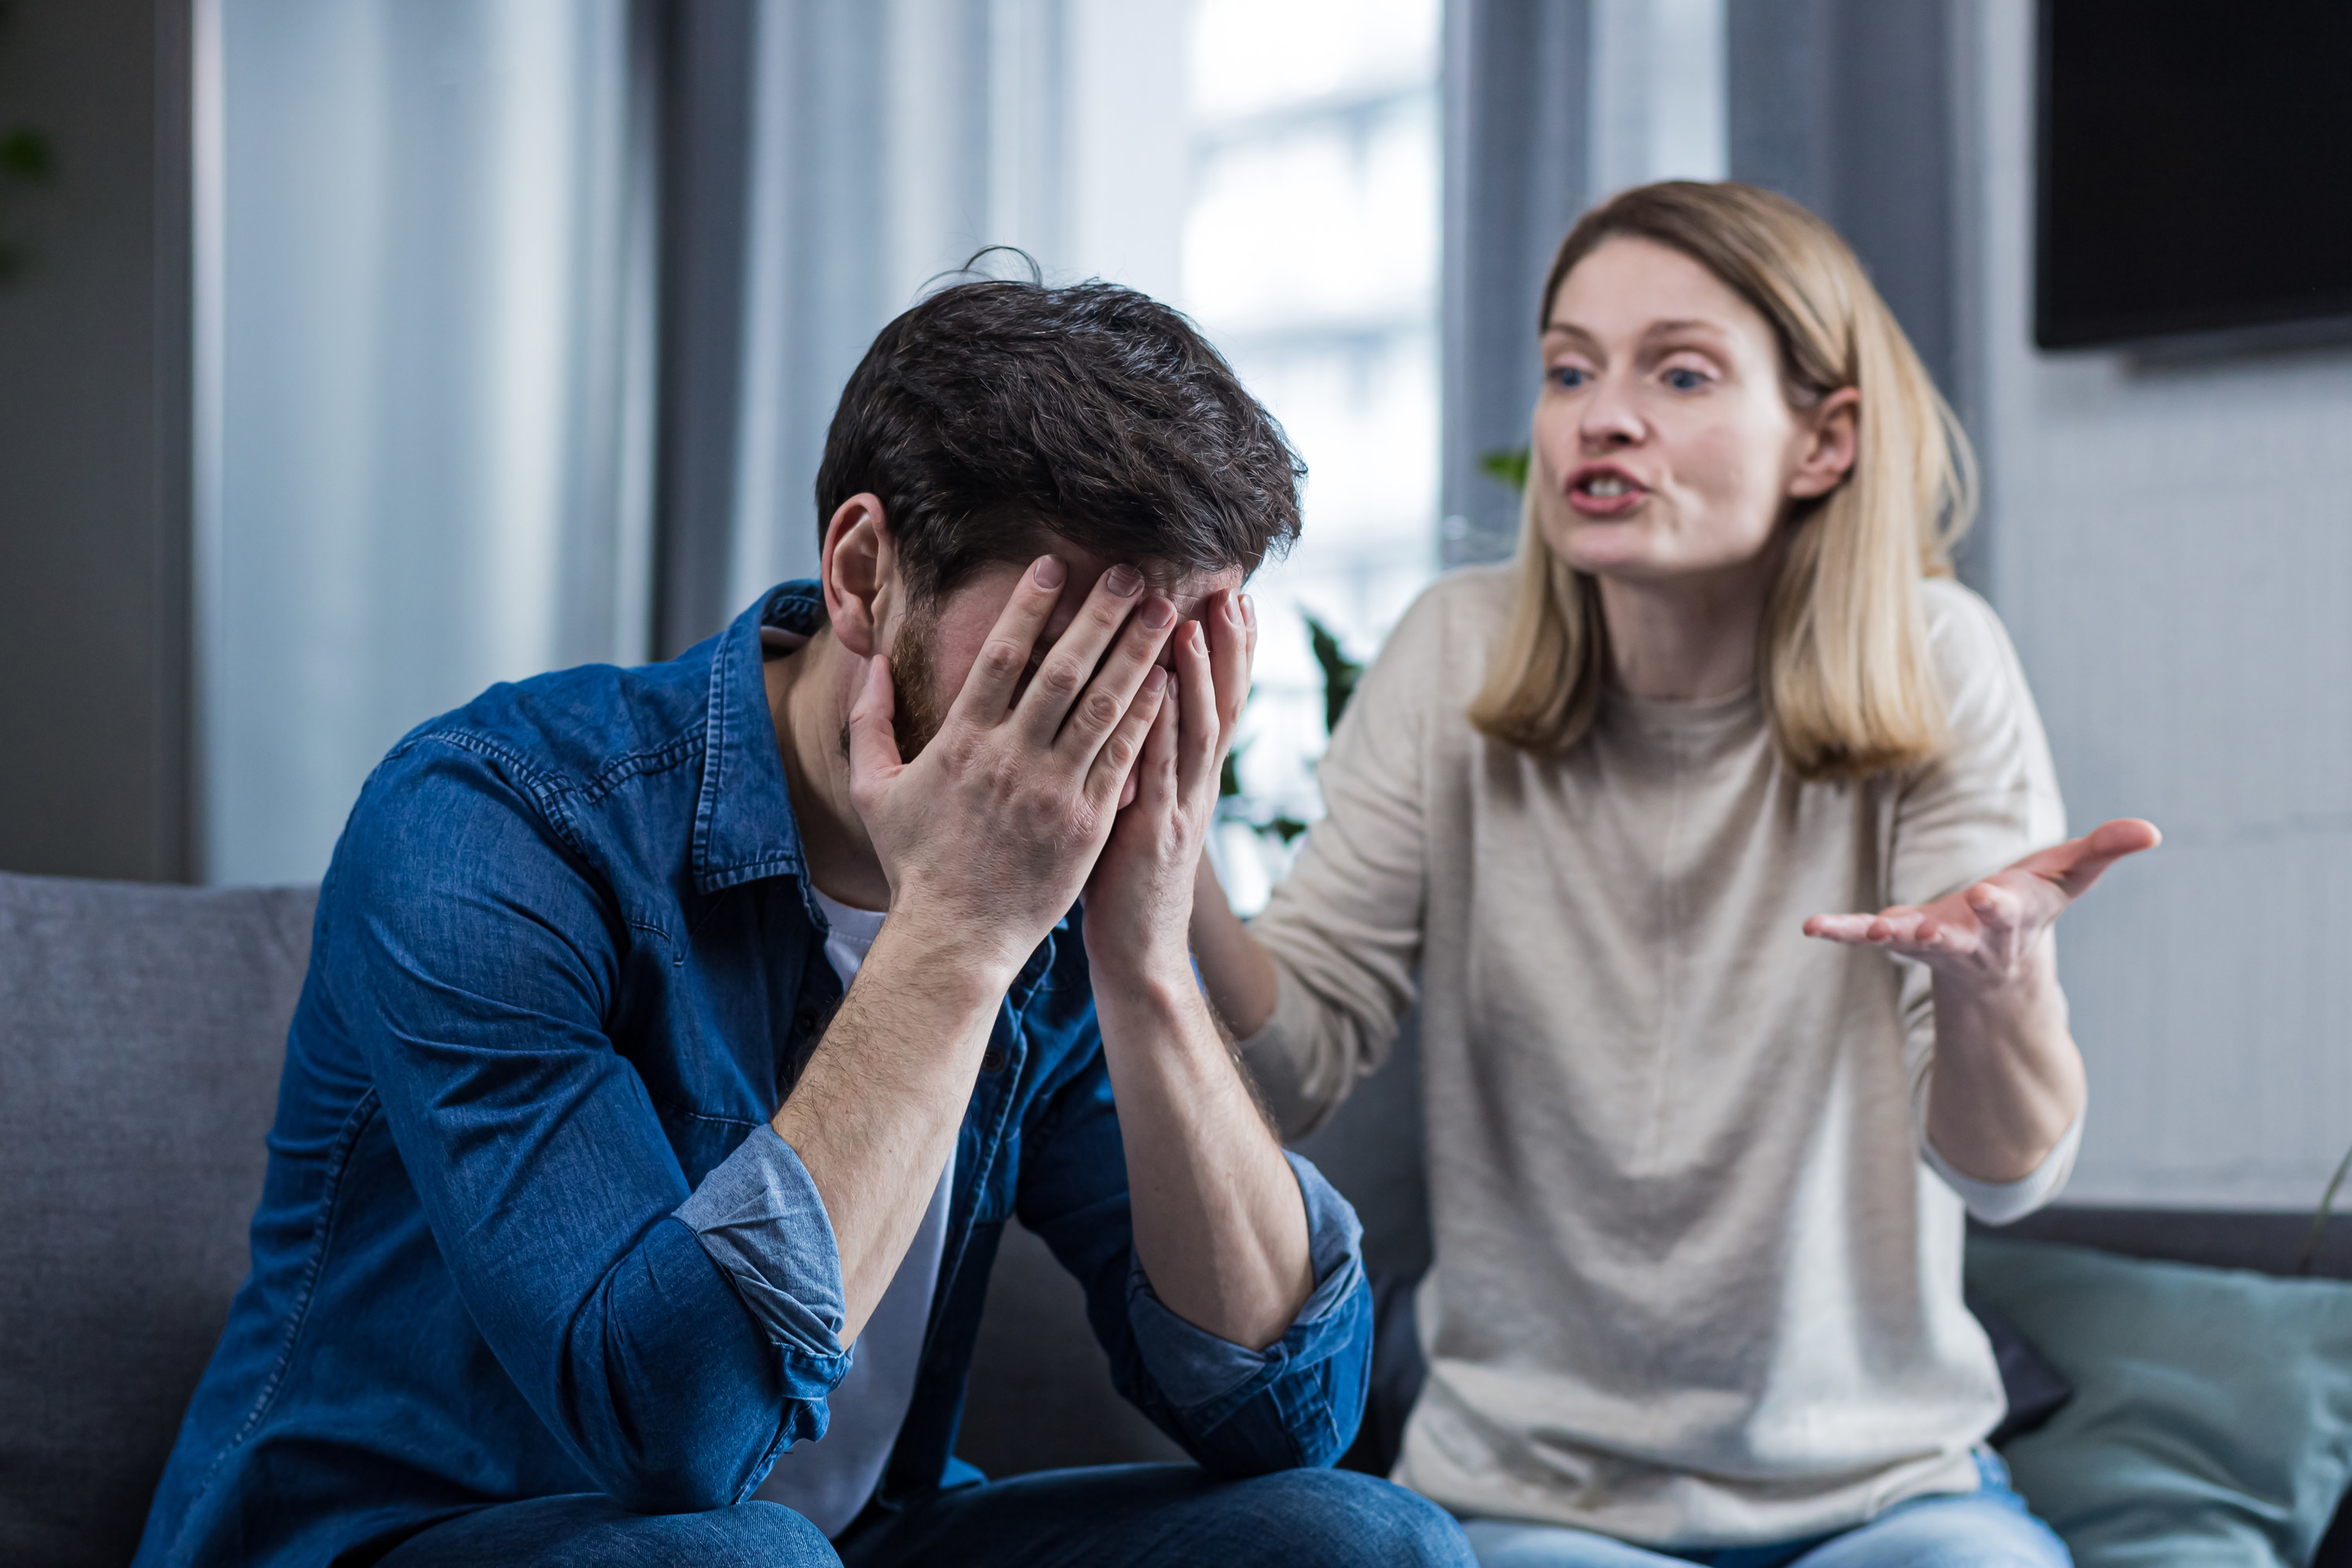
[917,710]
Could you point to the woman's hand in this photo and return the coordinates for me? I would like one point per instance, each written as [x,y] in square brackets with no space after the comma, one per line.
[2007,1081]
[1139,899]
[1989,934]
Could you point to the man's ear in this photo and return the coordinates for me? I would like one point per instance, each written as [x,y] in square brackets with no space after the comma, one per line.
[1830,444]
[859,565]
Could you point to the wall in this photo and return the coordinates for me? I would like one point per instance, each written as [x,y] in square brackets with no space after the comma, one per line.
[94,704]
[2174,561]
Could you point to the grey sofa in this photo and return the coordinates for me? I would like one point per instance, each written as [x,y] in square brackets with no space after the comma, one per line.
[142,1029]
[141,1033]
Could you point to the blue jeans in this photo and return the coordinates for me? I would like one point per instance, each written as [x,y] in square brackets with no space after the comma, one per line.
[1988,1528]
[1143,1516]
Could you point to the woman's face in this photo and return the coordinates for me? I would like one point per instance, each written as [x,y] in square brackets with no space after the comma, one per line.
[1664,447]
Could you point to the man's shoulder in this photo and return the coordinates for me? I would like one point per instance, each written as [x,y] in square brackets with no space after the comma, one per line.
[582,733]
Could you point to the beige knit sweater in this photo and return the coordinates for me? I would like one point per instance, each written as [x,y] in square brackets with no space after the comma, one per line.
[1694,1283]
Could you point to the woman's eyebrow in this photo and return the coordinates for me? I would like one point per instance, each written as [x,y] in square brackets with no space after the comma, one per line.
[1577,334]
[1693,328]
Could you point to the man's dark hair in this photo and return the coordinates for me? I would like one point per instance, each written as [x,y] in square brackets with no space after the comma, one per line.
[997,416]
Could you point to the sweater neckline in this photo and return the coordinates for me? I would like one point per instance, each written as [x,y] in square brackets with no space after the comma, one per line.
[1666,715]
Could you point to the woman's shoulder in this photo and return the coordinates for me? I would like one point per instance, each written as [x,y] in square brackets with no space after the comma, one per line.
[1988,707]
[1954,609]
[1973,656]
[1454,624]
[1428,668]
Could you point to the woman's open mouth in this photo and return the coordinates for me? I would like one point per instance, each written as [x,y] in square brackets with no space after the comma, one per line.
[1604,490]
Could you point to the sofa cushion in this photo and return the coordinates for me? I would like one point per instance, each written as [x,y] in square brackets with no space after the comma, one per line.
[2211,1421]
[142,1029]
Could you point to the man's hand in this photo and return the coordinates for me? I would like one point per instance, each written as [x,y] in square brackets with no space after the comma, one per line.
[1139,899]
[1220,1227]
[985,838]
[988,836]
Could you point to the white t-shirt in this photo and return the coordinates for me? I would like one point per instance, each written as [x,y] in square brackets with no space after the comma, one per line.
[827,1482]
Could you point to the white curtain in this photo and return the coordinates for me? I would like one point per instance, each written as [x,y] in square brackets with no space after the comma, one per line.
[454,430]
[890,143]
[425,364]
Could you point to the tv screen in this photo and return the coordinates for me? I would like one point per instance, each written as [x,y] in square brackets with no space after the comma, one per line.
[2195,168]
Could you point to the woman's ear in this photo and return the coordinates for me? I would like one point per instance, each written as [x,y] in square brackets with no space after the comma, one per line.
[859,565]
[1826,451]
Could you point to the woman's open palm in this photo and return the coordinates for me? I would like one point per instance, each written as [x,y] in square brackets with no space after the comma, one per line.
[1989,929]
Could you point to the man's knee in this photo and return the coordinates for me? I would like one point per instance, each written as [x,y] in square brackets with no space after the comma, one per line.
[776,1537]
[1360,1521]
[591,1532]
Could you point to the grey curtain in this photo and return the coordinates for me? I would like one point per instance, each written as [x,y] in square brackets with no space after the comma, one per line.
[820,162]
[1846,105]
[1517,134]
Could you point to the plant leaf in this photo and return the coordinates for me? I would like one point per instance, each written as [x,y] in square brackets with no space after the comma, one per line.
[1340,673]
[24,154]
[1505,466]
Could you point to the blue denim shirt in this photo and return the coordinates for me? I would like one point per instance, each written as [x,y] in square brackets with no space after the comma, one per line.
[525,1229]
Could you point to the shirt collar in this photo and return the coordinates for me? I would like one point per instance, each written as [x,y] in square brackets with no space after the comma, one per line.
[743,823]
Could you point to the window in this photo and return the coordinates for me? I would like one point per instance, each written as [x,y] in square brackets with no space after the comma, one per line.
[1310,256]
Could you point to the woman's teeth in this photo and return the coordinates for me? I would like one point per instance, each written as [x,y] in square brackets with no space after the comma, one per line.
[1606,486]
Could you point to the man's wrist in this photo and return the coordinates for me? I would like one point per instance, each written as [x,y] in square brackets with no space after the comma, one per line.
[1159,974]
[1158,991]
[974,960]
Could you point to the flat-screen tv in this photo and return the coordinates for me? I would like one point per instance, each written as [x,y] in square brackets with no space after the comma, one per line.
[2195,170]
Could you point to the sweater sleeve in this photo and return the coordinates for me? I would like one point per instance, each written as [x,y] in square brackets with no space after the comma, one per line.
[1344,928]
[1991,798]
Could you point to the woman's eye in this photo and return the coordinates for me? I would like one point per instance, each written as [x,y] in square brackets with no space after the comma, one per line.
[1569,377]
[1683,379]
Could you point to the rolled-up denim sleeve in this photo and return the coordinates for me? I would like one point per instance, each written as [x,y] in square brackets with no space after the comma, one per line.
[1211,1380]
[759,1220]
[1236,1411]
[673,1340]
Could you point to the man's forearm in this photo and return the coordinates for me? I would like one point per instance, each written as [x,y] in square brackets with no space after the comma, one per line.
[2008,1080]
[1235,970]
[875,1114]
[1220,1226]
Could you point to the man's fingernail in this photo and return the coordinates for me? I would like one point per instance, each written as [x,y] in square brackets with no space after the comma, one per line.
[1049,572]
[1200,638]
[1153,679]
[1235,614]
[1249,611]
[1157,613]
[1124,581]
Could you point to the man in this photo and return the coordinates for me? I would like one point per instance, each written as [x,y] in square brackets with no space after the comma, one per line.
[601,1226]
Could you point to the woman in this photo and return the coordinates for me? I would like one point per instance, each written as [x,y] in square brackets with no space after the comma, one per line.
[1698,1161]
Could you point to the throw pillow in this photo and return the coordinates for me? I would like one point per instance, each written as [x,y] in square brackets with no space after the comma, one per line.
[2211,1421]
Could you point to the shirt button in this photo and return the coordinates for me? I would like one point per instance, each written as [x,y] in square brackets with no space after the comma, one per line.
[993,1060]
[806,1022]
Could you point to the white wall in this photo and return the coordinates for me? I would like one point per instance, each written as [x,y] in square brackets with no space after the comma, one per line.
[2172,550]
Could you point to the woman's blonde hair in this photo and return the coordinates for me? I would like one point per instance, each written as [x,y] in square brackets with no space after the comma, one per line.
[1841,658]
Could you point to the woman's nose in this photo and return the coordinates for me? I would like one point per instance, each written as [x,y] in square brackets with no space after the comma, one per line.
[1609,418]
